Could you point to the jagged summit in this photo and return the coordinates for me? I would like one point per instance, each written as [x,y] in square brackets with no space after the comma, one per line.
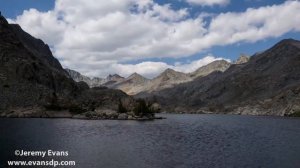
[136,76]
[137,79]
[114,77]
[170,74]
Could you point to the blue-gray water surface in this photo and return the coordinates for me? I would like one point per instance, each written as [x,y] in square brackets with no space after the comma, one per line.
[180,141]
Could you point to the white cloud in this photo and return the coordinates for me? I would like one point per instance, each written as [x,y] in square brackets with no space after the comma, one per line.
[209,2]
[256,24]
[42,25]
[94,37]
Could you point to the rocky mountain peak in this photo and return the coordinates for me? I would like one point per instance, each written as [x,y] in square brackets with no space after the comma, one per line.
[219,65]
[136,76]
[114,77]
[242,59]
[283,49]
[170,72]
[3,20]
[287,42]
[133,79]
[168,78]
[92,82]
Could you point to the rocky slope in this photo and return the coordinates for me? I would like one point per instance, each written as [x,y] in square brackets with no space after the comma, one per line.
[34,84]
[268,84]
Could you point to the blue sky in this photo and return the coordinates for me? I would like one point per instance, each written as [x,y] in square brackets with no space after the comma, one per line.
[13,9]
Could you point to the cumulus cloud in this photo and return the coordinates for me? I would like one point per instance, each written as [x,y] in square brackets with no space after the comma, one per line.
[94,38]
[209,2]
[256,24]
[42,25]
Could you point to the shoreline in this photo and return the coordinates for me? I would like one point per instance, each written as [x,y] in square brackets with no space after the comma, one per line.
[145,118]
[91,115]
[233,114]
[75,118]
[107,114]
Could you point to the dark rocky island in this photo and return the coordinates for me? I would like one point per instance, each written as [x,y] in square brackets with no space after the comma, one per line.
[34,84]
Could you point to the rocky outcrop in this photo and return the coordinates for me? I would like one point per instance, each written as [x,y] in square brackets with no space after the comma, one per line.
[242,59]
[268,84]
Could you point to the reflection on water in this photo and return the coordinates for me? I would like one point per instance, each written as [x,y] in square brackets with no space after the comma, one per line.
[178,141]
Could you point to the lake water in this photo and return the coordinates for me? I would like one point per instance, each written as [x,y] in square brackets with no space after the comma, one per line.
[180,141]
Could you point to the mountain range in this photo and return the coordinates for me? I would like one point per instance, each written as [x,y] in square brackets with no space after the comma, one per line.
[34,84]
[266,83]
[136,83]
